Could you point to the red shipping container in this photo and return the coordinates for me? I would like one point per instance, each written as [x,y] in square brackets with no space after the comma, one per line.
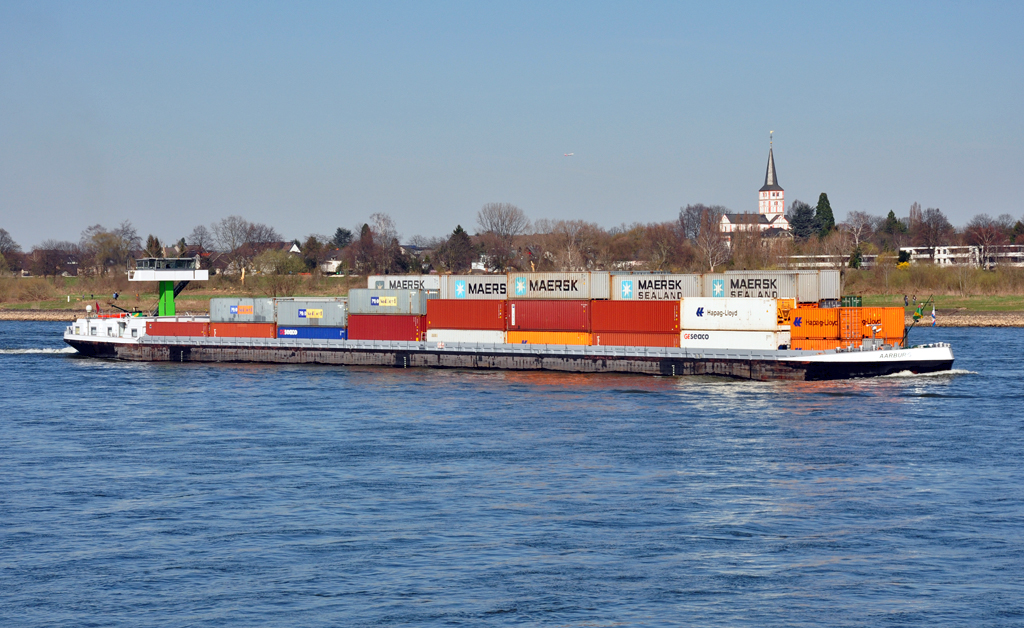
[617,339]
[243,330]
[386,327]
[537,315]
[176,328]
[658,317]
[465,314]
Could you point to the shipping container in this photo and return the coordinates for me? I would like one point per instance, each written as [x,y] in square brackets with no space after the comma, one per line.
[814,322]
[176,328]
[398,302]
[618,339]
[808,287]
[317,333]
[634,316]
[655,287]
[784,307]
[308,312]
[228,310]
[474,287]
[751,340]
[386,327]
[243,330]
[537,315]
[462,314]
[891,322]
[487,336]
[829,284]
[547,338]
[559,285]
[827,344]
[404,282]
[850,323]
[751,285]
[729,314]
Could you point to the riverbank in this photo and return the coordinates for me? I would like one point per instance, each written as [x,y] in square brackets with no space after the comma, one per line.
[944,318]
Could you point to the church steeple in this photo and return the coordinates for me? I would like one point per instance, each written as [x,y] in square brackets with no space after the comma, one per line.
[771,195]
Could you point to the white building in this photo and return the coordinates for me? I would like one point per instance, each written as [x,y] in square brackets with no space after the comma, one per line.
[771,206]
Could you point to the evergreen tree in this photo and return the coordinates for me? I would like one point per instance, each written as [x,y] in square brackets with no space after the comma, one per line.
[457,253]
[823,216]
[342,238]
[802,220]
[153,248]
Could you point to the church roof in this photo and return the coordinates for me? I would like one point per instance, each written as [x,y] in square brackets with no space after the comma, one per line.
[771,182]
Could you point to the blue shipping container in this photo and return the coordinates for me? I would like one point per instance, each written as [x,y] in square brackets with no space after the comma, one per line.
[319,333]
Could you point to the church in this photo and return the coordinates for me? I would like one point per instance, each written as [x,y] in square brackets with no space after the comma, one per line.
[770,218]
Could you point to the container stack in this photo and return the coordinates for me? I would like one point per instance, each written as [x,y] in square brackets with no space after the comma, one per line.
[820,329]
[322,319]
[242,318]
[635,323]
[387,315]
[736,323]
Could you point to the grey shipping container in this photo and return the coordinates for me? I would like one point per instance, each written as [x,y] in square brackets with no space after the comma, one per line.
[412,302]
[653,287]
[474,287]
[829,284]
[751,285]
[582,285]
[312,312]
[403,282]
[241,310]
[808,286]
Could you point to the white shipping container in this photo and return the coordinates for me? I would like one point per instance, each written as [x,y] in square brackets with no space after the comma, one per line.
[729,314]
[751,285]
[655,287]
[556,285]
[755,340]
[466,335]
[403,282]
[474,287]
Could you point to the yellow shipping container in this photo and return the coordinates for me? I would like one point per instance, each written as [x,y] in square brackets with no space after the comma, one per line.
[547,338]
[784,307]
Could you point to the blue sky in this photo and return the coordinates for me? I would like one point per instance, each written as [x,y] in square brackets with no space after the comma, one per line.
[311,116]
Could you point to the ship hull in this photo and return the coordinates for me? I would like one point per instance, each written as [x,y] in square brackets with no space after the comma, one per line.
[751,365]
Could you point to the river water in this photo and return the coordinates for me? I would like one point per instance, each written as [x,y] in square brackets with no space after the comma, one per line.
[223,495]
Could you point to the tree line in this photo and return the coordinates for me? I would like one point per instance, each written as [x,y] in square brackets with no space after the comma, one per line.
[505,239]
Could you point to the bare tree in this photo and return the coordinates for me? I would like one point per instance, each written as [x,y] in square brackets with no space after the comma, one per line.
[230,233]
[711,244]
[201,237]
[259,235]
[859,225]
[506,222]
[385,238]
[7,243]
[985,233]
[689,220]
[933,230]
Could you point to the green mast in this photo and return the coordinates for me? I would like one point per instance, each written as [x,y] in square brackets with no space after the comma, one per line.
[166,304]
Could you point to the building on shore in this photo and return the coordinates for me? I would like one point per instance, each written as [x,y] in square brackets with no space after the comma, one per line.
[770,218]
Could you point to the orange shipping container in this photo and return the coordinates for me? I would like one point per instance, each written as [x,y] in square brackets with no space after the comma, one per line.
[616,339]
[547,338]
[890,320]
[814,322]
[821,344]
[826,344]
[243,330]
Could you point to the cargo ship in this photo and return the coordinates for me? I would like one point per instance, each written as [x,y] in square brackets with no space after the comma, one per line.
[758,326]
